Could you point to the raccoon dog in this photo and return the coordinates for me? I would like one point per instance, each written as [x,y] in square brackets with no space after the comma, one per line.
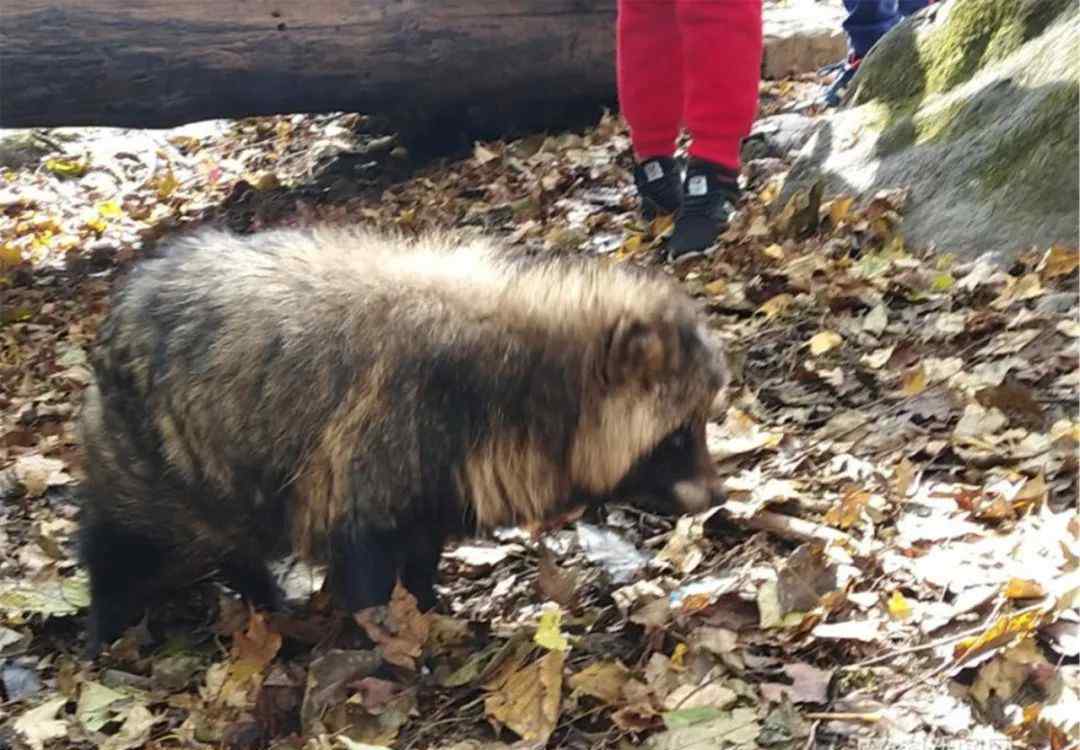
[356,399]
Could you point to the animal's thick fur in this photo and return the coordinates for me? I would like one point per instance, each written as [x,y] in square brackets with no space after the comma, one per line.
[357,398]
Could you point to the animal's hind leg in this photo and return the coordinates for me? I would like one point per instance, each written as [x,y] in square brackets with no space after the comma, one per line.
[418,561]
[362,567]
[252,579]
[124,569]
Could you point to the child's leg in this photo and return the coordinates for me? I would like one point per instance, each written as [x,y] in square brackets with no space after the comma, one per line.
[649,68]
[722,47]
[867,21]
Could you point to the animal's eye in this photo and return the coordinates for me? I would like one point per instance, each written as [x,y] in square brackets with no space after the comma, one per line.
[678,440]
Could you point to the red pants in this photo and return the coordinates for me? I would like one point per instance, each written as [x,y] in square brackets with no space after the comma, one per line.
[692,62]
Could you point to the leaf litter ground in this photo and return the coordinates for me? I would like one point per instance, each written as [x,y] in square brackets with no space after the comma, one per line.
[898,556]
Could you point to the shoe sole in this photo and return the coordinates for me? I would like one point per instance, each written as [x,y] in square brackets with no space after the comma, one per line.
[693,255]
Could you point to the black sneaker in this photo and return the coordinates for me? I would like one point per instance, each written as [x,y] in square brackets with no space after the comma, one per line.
[659,186]
[709,197]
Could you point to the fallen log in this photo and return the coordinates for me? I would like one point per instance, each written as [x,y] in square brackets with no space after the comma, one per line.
[430,65]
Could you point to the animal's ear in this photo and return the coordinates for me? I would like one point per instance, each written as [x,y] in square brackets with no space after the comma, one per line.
[636,352]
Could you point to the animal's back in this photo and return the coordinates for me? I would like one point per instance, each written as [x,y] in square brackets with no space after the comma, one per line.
[233,354]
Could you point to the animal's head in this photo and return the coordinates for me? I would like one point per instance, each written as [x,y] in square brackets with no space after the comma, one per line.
[660,375]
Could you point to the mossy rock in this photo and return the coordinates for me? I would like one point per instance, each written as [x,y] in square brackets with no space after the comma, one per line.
[974,105]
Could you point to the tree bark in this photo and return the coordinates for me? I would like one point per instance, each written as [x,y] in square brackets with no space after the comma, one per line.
[477,64]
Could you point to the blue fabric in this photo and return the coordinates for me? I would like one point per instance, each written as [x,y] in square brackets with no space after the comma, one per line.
[868,20]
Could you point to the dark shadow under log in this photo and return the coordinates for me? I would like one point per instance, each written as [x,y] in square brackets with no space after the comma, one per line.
[438,68]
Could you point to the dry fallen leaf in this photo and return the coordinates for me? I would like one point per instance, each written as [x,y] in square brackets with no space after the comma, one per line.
[848,510]
[252,652]
[482,155]
[555,583]
[135,731]
[1060,261]
[852,630]
[93,709]
[528,701]
[876,320]
[38,473]
[774,251]
[708,728]
[776,305]
[39,725]
[399,629]
[914,382]
[877,359]
[603,680]
[1005,629]
[809,684]
[1018,588]
[824,342]
[742,434]
[710,695]
[838,209]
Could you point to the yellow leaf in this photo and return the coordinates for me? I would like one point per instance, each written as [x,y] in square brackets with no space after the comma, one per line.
[528,701]
[110,210]
[66,242]
[96,224]
[769,192]
[630,246]
[774,251]
[166,184]
[41,240]
[10,256]
[776,305]
[839,208]
[678,656]
[252,652]
[66,166]
[548,633]
[716,287]
[844,514]
[942,282]
[824,341]
[187,142]
[899,607]
[1004,629]
[914,381]
[1060,261]
[1019,588]
[661,224]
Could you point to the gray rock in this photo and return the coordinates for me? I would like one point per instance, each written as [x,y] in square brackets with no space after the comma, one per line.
[778,136]
[987,143]
[802,36]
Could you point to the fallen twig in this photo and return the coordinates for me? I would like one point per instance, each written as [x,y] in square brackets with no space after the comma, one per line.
[783,526]
[871,718]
